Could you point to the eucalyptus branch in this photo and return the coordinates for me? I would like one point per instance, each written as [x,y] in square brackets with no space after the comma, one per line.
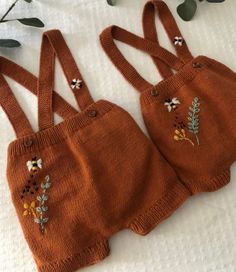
[7,12]
[35,22]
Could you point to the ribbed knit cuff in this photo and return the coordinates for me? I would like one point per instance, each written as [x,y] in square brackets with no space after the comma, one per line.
[209,185]
[88,256]
[161,209]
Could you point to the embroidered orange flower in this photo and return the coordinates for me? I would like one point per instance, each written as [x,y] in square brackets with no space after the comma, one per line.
[180,135]
[30,209]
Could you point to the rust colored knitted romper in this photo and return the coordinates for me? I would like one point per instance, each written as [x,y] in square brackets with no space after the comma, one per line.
[76,183]
[190,115]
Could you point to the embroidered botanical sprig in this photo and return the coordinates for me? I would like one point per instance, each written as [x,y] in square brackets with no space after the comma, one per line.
[193,118]
[42,208]
[38,213]
[180,135]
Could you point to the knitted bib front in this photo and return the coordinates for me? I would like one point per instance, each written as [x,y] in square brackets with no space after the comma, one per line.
[190,114]
[77,183]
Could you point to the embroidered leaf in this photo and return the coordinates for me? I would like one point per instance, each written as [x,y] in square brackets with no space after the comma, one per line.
[41,220]
[46,185]
[37,220]
[193,124]
[42,209]
[42,198]
[45,220]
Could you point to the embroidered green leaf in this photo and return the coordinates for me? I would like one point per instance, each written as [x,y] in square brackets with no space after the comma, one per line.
[47,185]
[42,198]
[41,220]
[193,124]
[42,209]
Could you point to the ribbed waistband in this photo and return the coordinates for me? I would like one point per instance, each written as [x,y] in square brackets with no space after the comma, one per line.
[59,132]
[175,82]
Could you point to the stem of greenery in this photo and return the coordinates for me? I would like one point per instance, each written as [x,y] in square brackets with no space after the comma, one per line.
[10,8]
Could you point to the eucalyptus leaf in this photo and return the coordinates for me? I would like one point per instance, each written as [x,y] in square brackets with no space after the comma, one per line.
[111,2]
[31,22]
[187,9]
[215,1]
[9,43]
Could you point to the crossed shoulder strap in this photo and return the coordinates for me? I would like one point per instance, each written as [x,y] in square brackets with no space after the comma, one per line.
[53,44]
[164,59]
[173,32]
[48,100]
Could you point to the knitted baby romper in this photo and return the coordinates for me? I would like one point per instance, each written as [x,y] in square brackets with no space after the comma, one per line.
[76,183]
[190,115]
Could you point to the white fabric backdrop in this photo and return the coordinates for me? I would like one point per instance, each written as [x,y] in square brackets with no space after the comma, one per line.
[201,235]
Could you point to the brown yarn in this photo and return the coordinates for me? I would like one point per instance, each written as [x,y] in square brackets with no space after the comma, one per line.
[86,178]
[190,114]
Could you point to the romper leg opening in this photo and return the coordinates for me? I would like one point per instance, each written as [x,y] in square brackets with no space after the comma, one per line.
[88,256]
[160,210]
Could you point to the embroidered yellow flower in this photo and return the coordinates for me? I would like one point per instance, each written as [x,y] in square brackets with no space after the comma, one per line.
[180,135]
[30,209]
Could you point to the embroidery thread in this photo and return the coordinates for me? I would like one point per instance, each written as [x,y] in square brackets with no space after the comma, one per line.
[193,118]
[180,135]
[172,103]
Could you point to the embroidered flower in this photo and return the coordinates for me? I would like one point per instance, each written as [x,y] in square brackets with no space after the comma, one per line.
[180,135]
[76,83]
[178,41]
[34,165]
[30,209]
[171,103]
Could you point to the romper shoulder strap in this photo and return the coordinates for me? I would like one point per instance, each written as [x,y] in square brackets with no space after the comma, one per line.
[53,44]
[128,71]
[10,105]
[13,110]
[171,27]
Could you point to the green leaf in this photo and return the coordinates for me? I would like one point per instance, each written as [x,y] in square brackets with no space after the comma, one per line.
[9,43]
[31,22]
[187,9]
[28,1]
[111,2]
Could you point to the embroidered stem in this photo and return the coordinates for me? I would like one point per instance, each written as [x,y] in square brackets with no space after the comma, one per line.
[197,140]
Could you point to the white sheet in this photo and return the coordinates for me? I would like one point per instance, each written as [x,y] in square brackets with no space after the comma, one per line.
[200,236]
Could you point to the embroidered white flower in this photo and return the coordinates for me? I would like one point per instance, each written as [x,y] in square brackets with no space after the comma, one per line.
[178,41]
[171,103]
[76,83]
